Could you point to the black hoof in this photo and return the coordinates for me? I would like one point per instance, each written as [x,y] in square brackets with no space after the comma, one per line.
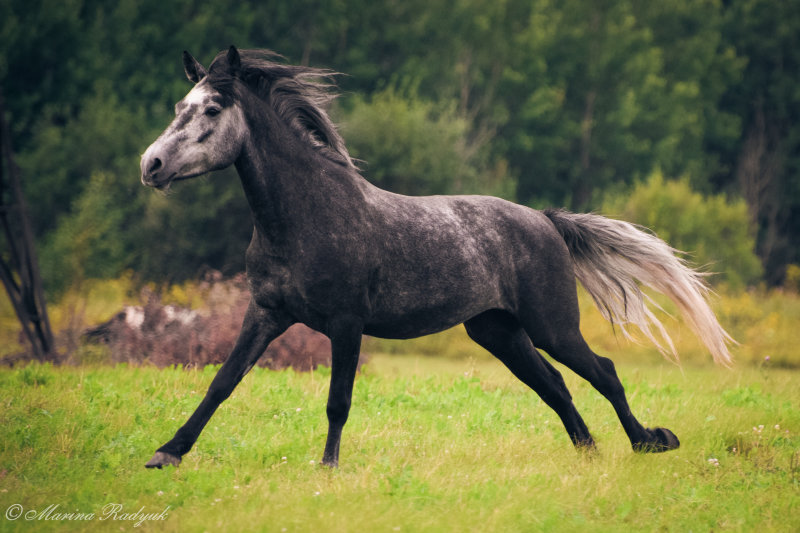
[587,446]
[161,459]
[332,464]
[659,440]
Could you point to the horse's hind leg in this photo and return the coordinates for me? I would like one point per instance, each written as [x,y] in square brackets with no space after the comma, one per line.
[571,349]
[501,334]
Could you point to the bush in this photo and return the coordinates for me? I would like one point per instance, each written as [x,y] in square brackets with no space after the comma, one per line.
[411,146]
[89,242]
[167,334]
[116,224]
[191,325]
[713,230]
[792,280]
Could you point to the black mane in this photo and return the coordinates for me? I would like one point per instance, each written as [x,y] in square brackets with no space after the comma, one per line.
[299,95]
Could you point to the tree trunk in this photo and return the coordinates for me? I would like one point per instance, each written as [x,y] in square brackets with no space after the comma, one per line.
[758,172]
[582,189]
[19,267]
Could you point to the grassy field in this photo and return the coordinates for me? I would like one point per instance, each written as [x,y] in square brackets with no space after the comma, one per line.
[431,445]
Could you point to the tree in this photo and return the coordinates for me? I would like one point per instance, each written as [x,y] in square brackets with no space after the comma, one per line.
[411,146]
[19,268]
[604,98]
[767,158]
[714,231]
[551,102]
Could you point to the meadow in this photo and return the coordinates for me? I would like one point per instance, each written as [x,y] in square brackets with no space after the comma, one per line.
[432,444]
[441,436]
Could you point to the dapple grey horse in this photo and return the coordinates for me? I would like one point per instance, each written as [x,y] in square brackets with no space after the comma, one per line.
[346,258]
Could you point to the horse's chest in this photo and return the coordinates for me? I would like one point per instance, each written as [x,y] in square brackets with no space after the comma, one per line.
[267,276]
[266,291]
[307,290]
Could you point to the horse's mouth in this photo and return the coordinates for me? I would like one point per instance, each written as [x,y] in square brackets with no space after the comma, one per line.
[157,183]
[164,184]
[175,178]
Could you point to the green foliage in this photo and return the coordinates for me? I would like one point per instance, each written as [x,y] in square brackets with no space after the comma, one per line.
[118,225]
[767,100]
[201,224]
[409,145]
[602,93]
[422,440]
[90,243]
[713,230]
[103,139]
[548,103]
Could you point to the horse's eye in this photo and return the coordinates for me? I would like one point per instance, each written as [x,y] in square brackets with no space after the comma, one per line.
[212,111]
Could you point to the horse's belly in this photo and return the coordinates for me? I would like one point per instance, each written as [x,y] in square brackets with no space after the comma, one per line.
[407,329]
[405,314]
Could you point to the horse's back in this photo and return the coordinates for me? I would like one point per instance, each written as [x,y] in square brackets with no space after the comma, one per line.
[485,230]
[445,259]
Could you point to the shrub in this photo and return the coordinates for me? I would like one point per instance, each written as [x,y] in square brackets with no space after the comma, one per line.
[713,230]
[792,281]
[167,334]
[412,146]
[88,242]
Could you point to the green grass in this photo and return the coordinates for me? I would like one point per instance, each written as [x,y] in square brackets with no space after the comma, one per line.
[431,445]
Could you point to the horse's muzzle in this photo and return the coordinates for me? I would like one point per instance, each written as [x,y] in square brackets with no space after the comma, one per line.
[153,174]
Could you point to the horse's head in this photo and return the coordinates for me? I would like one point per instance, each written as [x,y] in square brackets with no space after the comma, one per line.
[207,132]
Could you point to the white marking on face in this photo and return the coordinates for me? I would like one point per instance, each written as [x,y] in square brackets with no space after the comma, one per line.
[203,136]
[199,95]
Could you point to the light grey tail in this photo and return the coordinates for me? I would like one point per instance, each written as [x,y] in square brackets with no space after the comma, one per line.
[611,256]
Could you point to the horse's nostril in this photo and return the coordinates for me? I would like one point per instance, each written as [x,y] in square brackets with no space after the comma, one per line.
[155,166]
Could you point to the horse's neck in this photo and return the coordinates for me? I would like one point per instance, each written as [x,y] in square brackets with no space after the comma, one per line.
[287,182]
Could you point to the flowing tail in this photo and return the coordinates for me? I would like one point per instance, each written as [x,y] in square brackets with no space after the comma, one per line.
[611,255]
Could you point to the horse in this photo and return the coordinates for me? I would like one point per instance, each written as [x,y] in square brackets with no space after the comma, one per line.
[332,251]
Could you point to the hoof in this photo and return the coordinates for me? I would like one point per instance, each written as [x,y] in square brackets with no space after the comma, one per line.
[332,465]
[163,459]
[587,449]
[659,440]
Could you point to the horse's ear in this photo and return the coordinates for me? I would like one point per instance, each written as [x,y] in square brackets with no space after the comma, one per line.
[194,70]
[234,61]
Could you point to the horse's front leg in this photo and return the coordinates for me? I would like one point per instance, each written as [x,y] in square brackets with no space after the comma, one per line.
[345,335]
[259,328]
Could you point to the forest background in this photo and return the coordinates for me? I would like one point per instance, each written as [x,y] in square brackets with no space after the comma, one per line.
[681,115]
